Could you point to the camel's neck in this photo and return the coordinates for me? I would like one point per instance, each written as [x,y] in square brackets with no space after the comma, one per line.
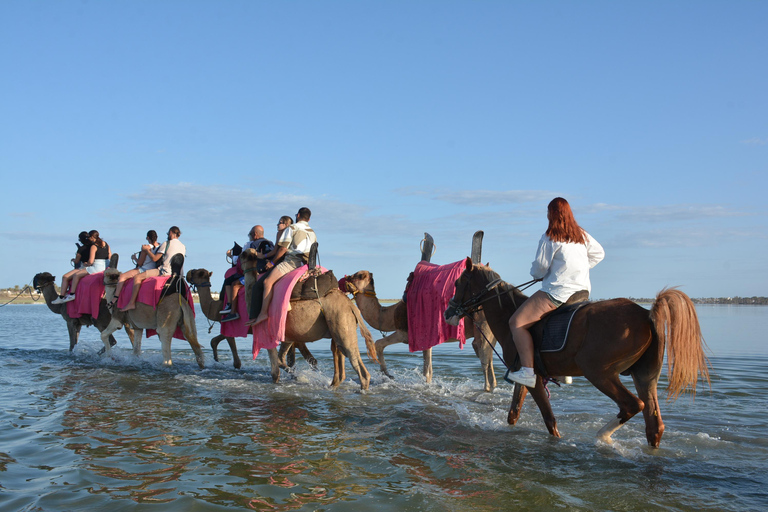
[49,294]
[378,316]
[209,306]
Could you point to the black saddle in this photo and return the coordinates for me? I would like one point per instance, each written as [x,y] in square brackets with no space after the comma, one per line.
[551,332]
[315,286]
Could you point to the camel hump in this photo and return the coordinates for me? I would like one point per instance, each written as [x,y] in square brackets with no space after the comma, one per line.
[315,286]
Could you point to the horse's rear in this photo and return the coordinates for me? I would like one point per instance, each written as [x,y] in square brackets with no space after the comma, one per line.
[617,336]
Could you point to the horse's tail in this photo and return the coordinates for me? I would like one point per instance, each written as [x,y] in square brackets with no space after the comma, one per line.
[677,327]
[366,333]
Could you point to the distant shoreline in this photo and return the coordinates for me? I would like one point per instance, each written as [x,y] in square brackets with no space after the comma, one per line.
[8,298]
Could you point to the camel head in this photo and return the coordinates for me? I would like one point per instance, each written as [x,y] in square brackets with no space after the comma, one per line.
[42,280]
[248,259]
[111,276]
[199,277]
[359,282]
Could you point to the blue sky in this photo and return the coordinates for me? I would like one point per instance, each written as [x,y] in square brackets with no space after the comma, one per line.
[388,120]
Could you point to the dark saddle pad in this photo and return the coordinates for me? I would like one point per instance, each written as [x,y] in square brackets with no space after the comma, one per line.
[550,334]
[315,286]
[176,283]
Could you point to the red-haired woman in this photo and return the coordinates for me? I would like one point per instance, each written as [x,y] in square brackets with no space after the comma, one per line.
[565,255]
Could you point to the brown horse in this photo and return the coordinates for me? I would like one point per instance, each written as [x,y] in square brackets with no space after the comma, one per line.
[605,339]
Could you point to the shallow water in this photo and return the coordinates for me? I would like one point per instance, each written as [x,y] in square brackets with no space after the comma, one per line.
[79,431]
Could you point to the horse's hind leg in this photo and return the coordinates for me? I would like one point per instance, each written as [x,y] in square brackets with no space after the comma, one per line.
[629,404]
[654,426]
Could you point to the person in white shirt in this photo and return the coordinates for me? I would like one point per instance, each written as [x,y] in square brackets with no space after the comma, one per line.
[294,244]
[168,250]
[566,253]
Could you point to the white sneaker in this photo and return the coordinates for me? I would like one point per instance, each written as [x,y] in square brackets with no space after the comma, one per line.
[58,300]
[68,298]
[521,376]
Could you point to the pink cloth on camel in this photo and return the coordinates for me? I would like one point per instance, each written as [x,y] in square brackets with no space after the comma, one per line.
[90,291]
[236,328]
[427,299]
[271,332]
[150,291]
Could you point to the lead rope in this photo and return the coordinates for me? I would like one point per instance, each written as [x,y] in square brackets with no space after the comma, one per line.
[26,287]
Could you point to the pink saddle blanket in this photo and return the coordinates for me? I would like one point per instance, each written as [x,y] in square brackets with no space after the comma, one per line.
[427,299]
[236,328]
[150,292]
[270,333]
[90,291]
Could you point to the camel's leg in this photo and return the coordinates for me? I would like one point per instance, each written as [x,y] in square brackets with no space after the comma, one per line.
[629,404]
[215,346]
[73,328]
[106,335]
[165,333]
[539,394]
[282,353]
[128,331]
[395,337]
[235,357]
[343,329]
[191,335]
[307,354]
[518,397]
[484,352]
[137,342]
[339,373]
[274,361]
[427,354]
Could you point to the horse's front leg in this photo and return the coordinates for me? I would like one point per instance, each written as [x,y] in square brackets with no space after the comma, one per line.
[539,394]
[518,397]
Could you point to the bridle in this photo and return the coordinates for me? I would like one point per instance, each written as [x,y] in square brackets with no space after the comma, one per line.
[472,304]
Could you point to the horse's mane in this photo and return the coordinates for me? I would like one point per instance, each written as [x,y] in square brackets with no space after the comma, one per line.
[511,294]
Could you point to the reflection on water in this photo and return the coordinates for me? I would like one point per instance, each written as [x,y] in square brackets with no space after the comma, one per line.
[81,432]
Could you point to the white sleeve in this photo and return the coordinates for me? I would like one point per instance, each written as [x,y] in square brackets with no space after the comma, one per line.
[543,260]
[595,251]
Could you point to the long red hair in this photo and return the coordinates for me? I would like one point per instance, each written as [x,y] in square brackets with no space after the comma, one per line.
[562,224]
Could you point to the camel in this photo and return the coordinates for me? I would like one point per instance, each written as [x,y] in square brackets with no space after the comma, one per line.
[333,316]
[173,310]
[200,279]
[44,284]
[395,318]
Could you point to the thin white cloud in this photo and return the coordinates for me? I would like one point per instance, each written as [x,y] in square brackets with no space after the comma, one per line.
[664,213]
[755,141]
[480,197]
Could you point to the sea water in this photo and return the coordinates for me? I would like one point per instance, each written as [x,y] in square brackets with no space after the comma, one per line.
[79,431]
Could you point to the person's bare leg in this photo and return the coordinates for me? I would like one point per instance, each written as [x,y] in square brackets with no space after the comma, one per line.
[137,280]
[269,282]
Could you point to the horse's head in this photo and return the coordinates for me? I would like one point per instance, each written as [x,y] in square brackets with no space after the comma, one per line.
[471,289]
[359,282]
[199,277]
[42,280]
